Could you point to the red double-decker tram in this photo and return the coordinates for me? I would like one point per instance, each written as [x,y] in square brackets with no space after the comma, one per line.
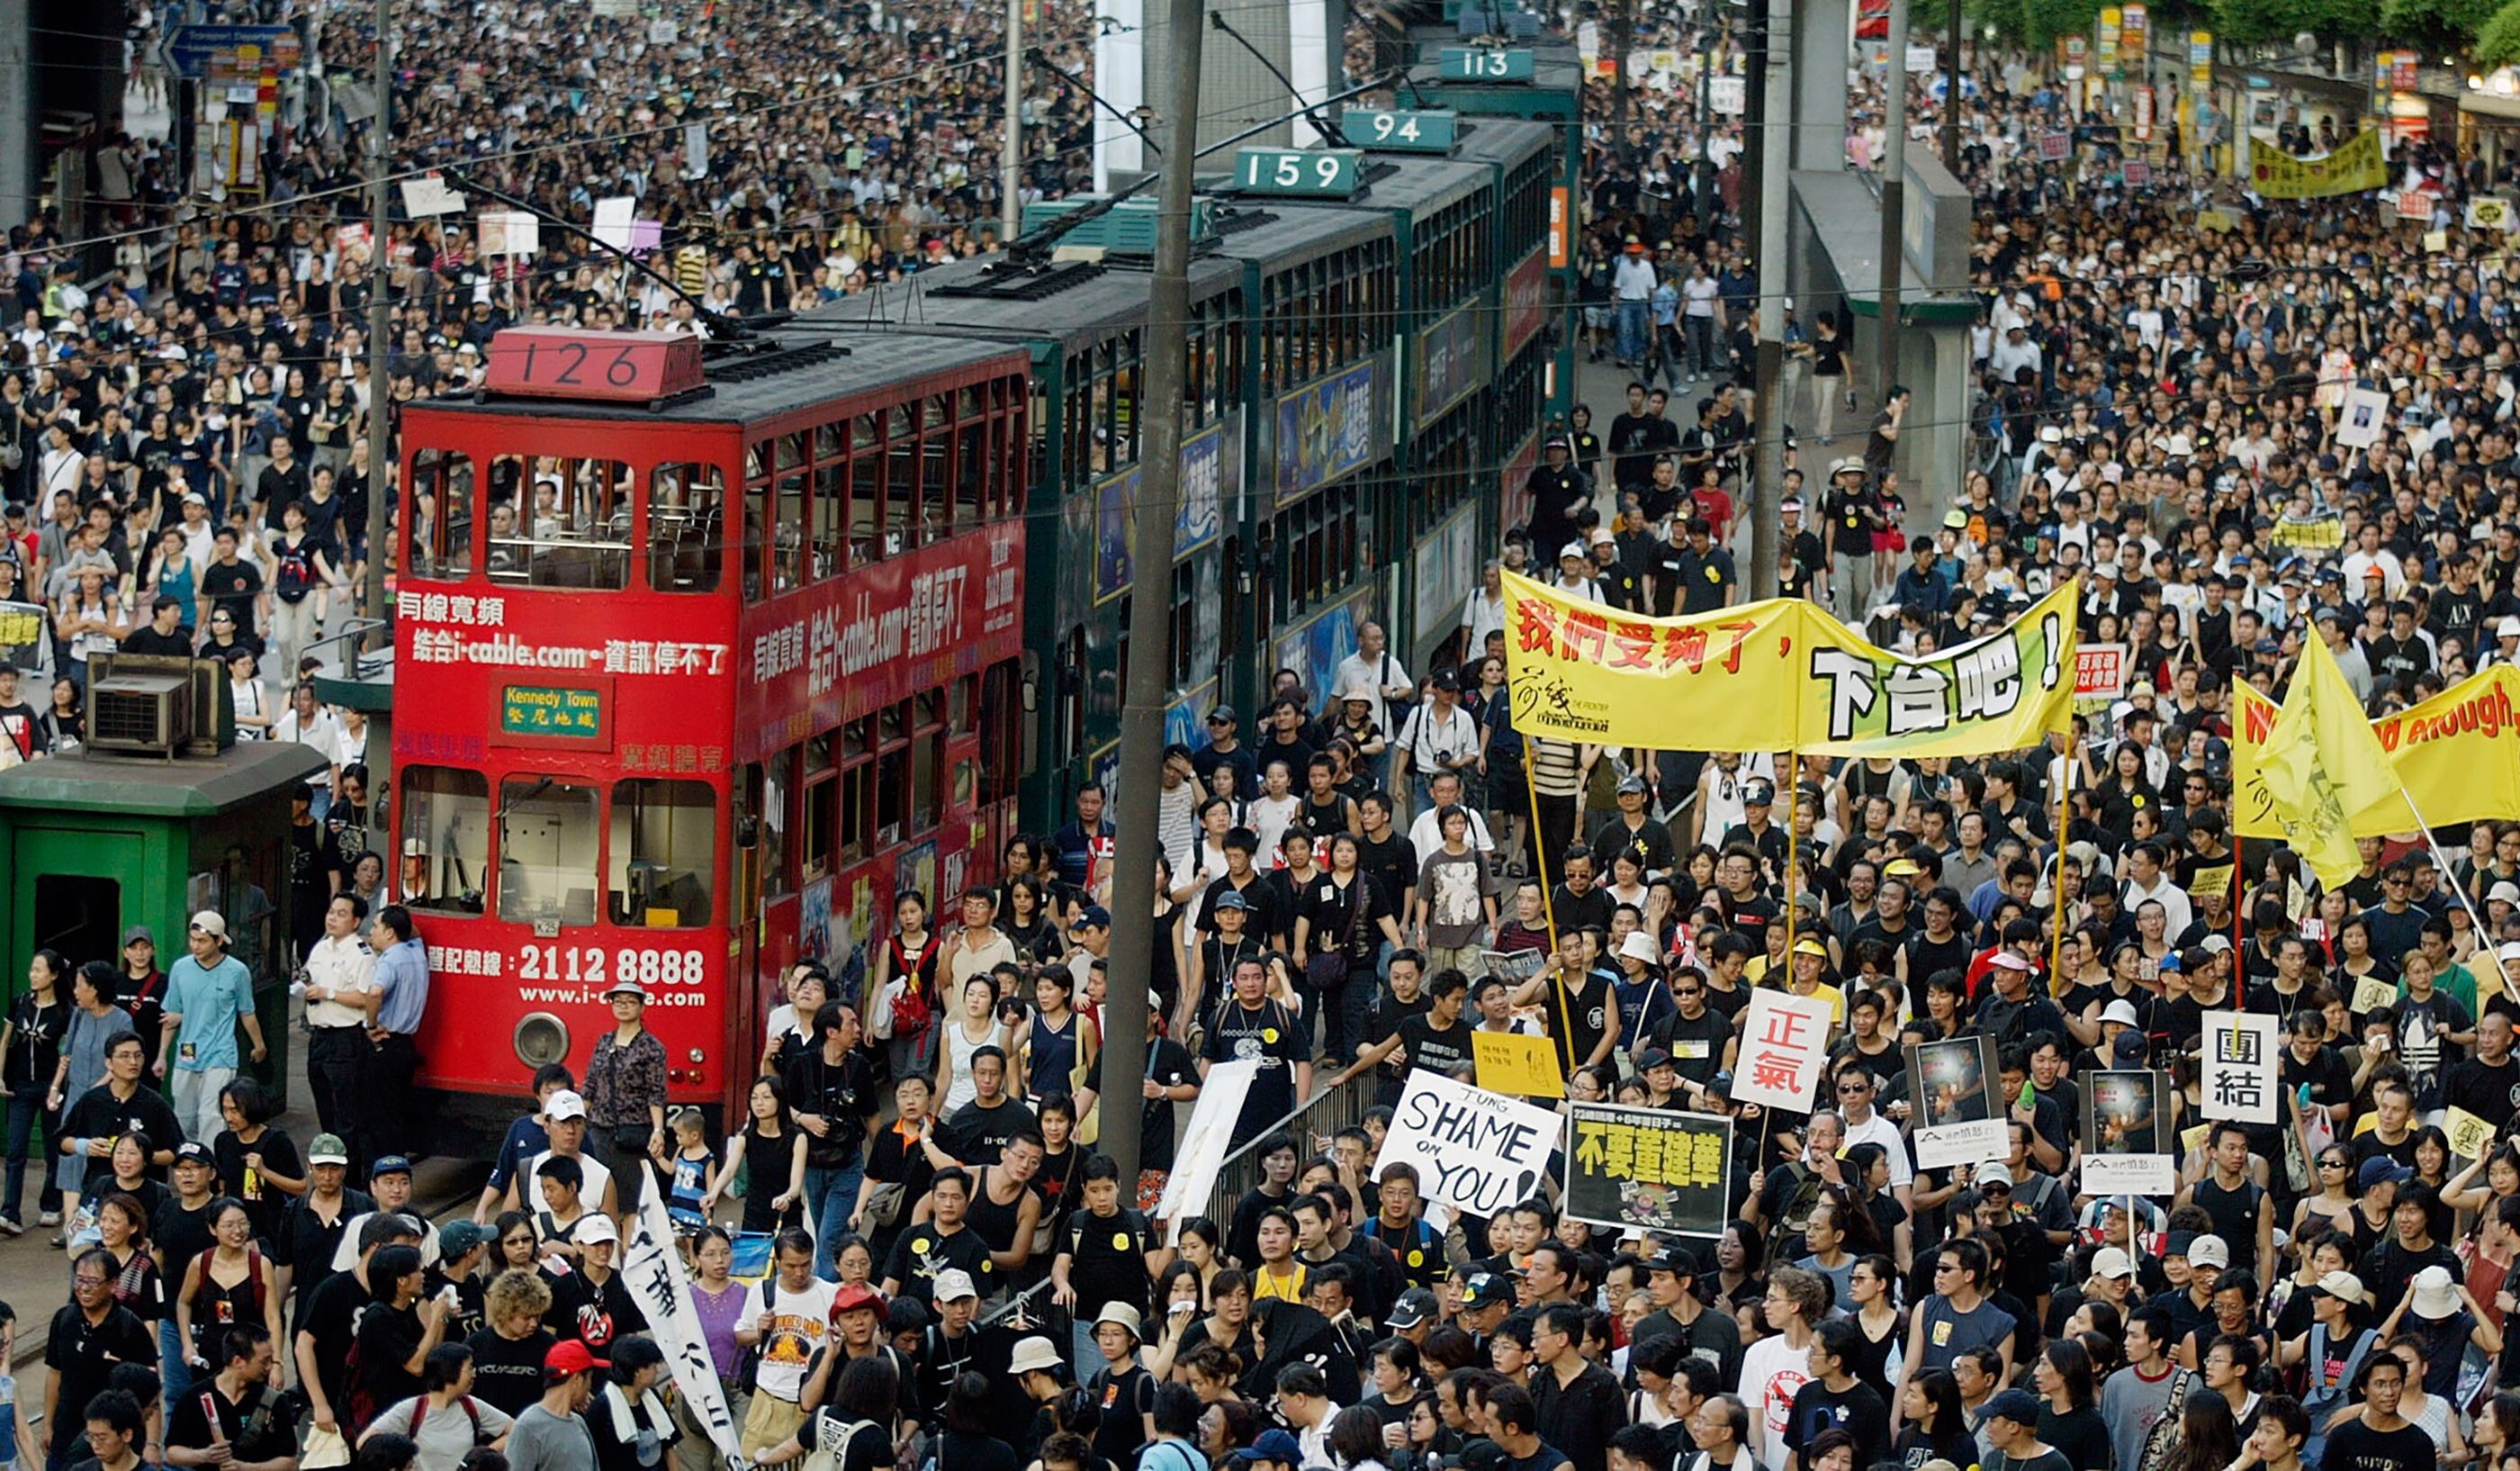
[693,653]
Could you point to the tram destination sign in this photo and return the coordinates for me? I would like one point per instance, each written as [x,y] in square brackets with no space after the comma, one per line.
[1483,63]
[1383,131]
[1298,172]
[557,713]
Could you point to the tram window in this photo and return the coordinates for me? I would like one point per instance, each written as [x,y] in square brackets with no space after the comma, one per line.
[973,461]
[857,812]
[935,468]
[663,852]
[778,780]
[756,543]
[865,506]
[829,555]
[1106,454]
[548,832]
[926,774]
[817,850]
[442,515]
[786,533]
[574,529]
[685,527]
[818,754]
[901,488]
[856,740]
[891,793]
[445,838]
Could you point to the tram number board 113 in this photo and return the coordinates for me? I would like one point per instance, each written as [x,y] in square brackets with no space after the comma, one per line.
[1397,132]
[1483,63]
[557,710]
[1310,173]
[619,367]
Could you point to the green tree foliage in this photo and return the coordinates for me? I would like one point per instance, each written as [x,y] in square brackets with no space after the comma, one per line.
[2245,21]
[2035,25]
[2438,28]
[2498,39]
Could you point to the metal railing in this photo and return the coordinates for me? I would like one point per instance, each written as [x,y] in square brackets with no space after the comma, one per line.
[1342,1106]
[360,661]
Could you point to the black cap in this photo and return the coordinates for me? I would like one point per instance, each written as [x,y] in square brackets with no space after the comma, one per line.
[1673,1258]
[197,1152]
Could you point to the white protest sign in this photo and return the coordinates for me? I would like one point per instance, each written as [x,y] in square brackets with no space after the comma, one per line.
[652,1270]
[2239,1076]
[1476,1151]
[1922,59]
[1207,1141]
[663,32]
[1728,95]
[428,195]
[2363,415]
[614,218]
[510,232]
[1784,1045]
[696,159]
[2105,1175]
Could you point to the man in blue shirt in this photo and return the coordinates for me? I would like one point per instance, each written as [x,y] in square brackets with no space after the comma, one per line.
[208,992]
[398,994]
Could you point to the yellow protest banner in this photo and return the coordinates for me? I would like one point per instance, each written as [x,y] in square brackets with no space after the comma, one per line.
[2372,993]
[2191,1140]
[2456,755]
[1509,1062]
[2316,534]
[1781,675]
[2357,165]
[2469,1135]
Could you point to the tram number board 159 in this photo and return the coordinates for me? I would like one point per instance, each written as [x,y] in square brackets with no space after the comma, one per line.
[1309,173]
[1401,133]
[1483,63]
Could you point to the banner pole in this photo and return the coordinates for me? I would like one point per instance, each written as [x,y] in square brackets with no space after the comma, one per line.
[1793,811]
[2483,934]
[1539,849]
[2064,816]
[2239,937]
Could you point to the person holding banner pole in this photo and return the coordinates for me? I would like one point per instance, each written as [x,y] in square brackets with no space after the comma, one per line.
[1793,872]
[2064,824]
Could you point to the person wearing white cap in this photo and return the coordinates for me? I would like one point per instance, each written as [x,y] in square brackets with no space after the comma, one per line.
[209,994]
[1574,574]
[2331,1352]
[2445,1321]
[564,1120]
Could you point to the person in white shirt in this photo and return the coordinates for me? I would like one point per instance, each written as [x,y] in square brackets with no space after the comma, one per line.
[1372,667]
[307,722]
[1304,1404]
[1425,834]
[1177,810]
[1438,736]
[1778,1366]
[1572,560]
[333,985]
[1483,612]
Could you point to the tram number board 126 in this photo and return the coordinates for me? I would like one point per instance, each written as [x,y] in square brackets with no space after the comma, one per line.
[620,367]
[1401,133]
[1483,63]
[1309,173]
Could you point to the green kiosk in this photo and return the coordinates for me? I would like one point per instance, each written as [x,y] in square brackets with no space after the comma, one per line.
[160,815]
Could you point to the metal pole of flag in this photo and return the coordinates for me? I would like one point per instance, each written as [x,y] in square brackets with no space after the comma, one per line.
[2483,934]
[1539,850]
[1793,813]
[2064,819]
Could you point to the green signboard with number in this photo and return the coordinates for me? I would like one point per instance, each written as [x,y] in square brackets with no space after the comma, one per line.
[1483,63]
[551,709]
[1308,173]
[1398,132]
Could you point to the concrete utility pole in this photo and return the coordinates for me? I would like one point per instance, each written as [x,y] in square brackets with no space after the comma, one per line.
[1955,27]
[1011,168]
[1771,106]
[1894,191]
[1151,603]
[381,486]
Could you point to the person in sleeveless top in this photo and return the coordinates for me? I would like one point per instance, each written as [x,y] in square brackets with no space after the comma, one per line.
[1055,1041]
[230,1283]
[904,987]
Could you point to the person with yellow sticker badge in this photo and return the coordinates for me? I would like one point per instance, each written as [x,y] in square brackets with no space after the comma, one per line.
[1253,1027]
[1108,1254]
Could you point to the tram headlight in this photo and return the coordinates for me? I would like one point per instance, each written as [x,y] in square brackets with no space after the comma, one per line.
[541,1038]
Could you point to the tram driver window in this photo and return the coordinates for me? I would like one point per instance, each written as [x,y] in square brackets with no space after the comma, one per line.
[663,852]
[547,851]
[445,838]
[685,527]
[442,515]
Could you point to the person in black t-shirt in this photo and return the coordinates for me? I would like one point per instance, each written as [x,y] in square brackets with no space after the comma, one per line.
[394,1334]
[1172,1078]
[924,1253]
[508,1354]
[2379,1438]
[1108,1254]
[90,1334]
[1253,1026]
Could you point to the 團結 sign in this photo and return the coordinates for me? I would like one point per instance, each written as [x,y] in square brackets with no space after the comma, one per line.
[1784,1045]
[1473,1150]
[1649,1168]
[2239,1075]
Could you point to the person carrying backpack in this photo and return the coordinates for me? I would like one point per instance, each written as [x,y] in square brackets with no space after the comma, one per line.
[444,1420]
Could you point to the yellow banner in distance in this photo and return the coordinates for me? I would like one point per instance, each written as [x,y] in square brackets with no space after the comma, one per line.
[2357,165]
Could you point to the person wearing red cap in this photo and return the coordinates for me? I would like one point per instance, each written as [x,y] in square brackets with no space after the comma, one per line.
[550,1436]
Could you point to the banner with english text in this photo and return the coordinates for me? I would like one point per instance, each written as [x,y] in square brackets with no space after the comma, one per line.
[1781,675]
[2457,755]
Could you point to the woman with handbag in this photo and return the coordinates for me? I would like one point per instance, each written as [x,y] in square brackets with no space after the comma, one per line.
[904,983]
[625,1093]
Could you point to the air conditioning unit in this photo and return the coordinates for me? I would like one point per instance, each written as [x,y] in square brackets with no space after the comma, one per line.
[144,714]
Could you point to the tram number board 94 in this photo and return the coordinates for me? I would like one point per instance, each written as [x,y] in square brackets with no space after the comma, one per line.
[623,367]
[1479,64]
[1411,132]
[1312,173]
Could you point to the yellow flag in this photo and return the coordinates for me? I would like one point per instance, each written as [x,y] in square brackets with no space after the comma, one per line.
[2321,764]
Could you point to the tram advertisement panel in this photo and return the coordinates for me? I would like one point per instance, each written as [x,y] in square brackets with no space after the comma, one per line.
[879,636]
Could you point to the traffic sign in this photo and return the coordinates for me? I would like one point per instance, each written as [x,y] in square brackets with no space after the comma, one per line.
[190,48]
[1307,174]
[1399,132]
[1483,63]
